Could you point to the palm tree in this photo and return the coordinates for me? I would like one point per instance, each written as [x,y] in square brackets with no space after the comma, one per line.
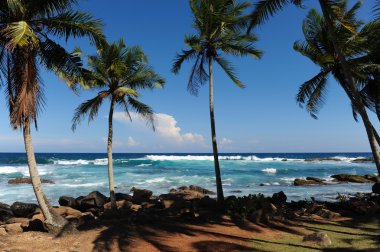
[377,9]
[333,16]
[27,29]
[219,26]
[119,72]
[318,48]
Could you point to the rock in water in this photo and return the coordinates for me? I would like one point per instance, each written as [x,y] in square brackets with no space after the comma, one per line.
[321,239]
[279,198]
[93,200]
[5,212]
[376,188]
[28,181]
[351,178]
[20,209]
[303,182]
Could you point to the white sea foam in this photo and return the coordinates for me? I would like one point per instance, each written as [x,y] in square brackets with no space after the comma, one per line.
[83,185]
[269,170]
[101,161]
[275,183]
[72,162]
[22,169]
[143,165]
[155,180]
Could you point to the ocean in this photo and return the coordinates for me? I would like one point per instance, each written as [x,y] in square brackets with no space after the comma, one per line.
[78,174]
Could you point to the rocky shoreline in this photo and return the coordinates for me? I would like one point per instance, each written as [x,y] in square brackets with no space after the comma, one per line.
[190,203]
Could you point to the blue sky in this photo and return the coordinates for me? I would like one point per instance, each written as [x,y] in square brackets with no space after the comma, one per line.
[263,117]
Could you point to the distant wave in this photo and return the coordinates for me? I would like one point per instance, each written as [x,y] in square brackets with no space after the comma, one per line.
[143,165]
[83,185]
[211,158]
[269,170]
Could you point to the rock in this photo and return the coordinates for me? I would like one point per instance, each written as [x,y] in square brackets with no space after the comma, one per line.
[17,220]
[264,184]
[200,189]
[67,211]
[67,201]
[121,204]
[33,225]
[303,182]
[94,199]
[2,231]
[284,160]
[28,181]
[376,188]
[135,207]
[279,198]
[236,191]
[372,177]
[14,228]
[362,160]
[351,178]
[171,201]
[315,179]
[20,209]
[321,239]
[321,159]
[123,196]
[140,195]
[38,216]
[5,212]
[87,216]
[207,202]
[229,199]
[152,204]
[183,188]
[324,213]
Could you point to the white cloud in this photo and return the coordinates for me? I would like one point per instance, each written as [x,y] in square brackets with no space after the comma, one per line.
[225,142]
[132,142]
[166,128]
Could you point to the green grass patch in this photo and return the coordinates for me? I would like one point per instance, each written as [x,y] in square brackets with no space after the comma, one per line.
[355,235]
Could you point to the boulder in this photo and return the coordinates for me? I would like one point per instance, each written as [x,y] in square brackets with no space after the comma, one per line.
[315,179]
[33,225]
[200,189]
[376,188]
[16,220]
[304,182]
[171,201]
[67,211]
[372,177]
[14,228]
[67,201]
[264,184]
[319,238]
[28,181]
[20,209]
[284,160]
[362,160]
[236,191]
[123,196]
[207,202]
[183,188]
[2,231]
[321,159]
[351,178]
[94,199]
[38,216]
[121,204]
[5,212]
[279,198]
[324,213]
[140,195]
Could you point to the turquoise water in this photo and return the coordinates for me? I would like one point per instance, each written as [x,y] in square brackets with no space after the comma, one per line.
[78,174]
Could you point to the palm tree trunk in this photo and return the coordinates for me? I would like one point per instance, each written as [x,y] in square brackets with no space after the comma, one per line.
[348,76]
[110,160]
[218,178]
[53,221]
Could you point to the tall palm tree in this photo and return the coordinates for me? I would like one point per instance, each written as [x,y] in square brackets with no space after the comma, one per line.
[119,72]
[377,9]
[27,33]
[333,16]
[220,30]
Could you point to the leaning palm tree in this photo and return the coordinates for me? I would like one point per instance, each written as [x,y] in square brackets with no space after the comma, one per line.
[220,31]
[334,17]
[27,33]
[318,48]
[119,72]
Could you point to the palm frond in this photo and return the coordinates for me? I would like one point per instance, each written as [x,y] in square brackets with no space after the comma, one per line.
[229,70]
[143,110]
[89,108]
